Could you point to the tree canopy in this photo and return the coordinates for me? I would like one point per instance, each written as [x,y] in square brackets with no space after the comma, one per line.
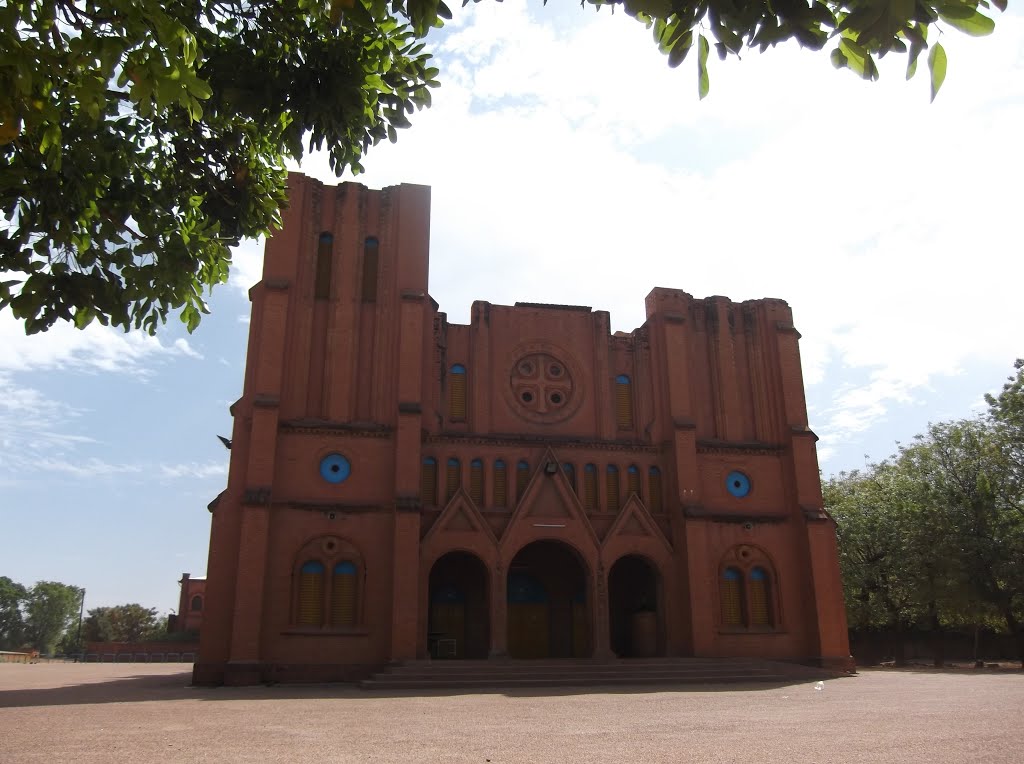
[933,538]
[121,623]
[142,140]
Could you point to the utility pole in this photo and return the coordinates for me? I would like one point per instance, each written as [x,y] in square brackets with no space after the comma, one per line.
[81,610]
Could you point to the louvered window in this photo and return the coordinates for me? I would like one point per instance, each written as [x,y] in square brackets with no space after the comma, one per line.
[324,254]
[570,475]
[457,393]
[311,594]
[633,480]
[476,482]
[343,594]
[654,489]
[623,402]
[590,487]
[732,597]
[428,481]
[370,266]
[500,484]
[522,478]
[760,598]
[453,478]
[612,487]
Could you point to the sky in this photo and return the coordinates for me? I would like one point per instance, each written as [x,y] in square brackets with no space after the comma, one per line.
[569,164]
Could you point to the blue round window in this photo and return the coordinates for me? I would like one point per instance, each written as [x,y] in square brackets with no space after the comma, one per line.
[738,484]
[335,468]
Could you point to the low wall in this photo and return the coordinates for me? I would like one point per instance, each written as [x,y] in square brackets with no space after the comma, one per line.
[140,652]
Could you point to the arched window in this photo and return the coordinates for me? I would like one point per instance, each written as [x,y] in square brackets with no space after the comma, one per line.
[310,610]
[476,482]
[343,594]
[197,603]
[655,501]
[633,480]
[428,481]
[570,475]
[457,393]
[370,267]
[500,484]
[760,598]
[590,487]
[623,402]
[324,254]
[748,590]
[612,487]
[453,478]
[732,597]
[522,478]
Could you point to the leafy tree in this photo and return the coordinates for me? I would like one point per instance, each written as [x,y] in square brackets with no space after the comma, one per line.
[141,140]
[12,596]
[51,608]
[121,623]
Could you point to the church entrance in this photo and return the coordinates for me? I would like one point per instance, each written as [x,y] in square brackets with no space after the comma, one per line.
[459,614]
[547,603]
[634,613]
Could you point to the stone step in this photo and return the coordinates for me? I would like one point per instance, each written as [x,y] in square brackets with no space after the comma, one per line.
[438,683]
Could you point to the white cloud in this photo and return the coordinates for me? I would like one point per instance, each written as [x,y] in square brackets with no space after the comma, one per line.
[87,468]
[193,470]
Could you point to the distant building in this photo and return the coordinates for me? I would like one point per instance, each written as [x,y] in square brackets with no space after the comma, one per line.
[529,485]
[190,605]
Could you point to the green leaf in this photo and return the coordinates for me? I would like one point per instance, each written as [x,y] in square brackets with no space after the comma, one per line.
[975,25]
[937,67]
[703,81]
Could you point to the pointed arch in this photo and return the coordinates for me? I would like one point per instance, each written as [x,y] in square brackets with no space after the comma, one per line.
[343,594]
[760,597]
[731,596]
[570,474]
[633,481]
[522,478]
[310,605]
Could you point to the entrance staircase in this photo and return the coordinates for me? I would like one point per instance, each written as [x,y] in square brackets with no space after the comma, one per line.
[487,674]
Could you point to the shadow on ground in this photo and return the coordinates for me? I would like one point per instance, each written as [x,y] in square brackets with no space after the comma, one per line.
[163,687]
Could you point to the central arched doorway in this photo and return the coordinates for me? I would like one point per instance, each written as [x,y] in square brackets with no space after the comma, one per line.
[459,616]
[634,612]
[548,615]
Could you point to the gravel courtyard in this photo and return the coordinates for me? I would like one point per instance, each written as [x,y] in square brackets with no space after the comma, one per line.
[148,713]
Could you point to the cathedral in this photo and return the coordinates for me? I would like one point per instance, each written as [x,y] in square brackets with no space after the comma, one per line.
[530,485]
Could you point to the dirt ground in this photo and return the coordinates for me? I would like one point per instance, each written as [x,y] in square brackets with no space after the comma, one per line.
[149,713]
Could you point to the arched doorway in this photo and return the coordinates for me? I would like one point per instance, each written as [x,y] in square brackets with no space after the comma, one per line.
[547,603]
[459,614]
[634,608]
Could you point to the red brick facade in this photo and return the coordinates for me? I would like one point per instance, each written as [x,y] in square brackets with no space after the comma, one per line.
[190,604]
[529,485]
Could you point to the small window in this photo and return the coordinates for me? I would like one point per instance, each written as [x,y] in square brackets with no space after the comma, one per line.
[453,478]
[654,489]
[590,487]
[760,598]
[732,597]
[324,255]
[197,603]
[633,480]
[343,594]
[500,484]
[476,482]
[522,478]
[457,393]
[623,402]
[570,475]
[428,481]
[311,594]
[612,487]
[370,266]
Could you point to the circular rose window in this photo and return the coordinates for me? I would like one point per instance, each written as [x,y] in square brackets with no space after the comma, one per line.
[542,387]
